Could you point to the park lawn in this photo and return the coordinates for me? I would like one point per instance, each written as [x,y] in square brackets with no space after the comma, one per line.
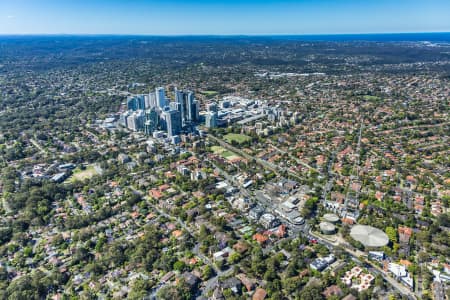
[239,138]
[224,152]
[371,98]
[209,93]
[217,149]
[227,154]
[81,175]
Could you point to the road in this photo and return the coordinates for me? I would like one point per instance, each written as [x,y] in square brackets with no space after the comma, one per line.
[356,169]
[39,147]
[213,281]
[438,291]
[330,177]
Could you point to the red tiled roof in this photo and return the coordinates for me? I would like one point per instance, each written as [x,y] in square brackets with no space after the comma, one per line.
[348,221]
[260,294]
[404,230]
[154,193]
[260,238]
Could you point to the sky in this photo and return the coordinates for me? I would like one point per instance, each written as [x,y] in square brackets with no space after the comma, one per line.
[222,17]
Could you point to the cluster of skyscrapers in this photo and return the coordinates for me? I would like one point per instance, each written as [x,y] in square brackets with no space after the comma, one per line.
[154,112]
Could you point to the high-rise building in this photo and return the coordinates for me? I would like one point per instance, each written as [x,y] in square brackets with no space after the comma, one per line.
[211,107]
[189,107]
[151,121]
[140,102]
[136,102]
[211,119]
[147,101]
[135,121]
[175,106]
[160,97]
[131,104]
[180,98]
[123,118]
[152,100]
[194,113]
[173,122]
[179,94]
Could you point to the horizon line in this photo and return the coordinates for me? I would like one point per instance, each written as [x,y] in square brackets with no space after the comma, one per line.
[223,35]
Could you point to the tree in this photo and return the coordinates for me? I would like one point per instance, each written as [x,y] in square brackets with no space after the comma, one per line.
[234,258]
[413,268]
[423,256]
[179,266]
[220,264]
[391,233]
[379,281]
[291,269]
[139,289]
[311,292]
[208,272]
[292,285]
[180,291]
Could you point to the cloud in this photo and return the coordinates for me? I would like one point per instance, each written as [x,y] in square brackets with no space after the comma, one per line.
[10,17]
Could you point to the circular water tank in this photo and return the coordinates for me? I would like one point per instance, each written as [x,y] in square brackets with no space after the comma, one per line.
[331,218]
[327,228]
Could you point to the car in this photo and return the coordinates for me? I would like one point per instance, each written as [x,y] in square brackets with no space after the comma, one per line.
[313,241]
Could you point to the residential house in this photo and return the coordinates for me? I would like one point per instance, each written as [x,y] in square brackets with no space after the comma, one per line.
[260,294]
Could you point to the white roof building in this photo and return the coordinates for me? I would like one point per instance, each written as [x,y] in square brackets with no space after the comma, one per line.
[400,272]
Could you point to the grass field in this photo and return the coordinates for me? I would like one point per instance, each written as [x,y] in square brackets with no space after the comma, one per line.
[217,149]
[239,138]
[80,175]
[209,93]
[371,98]
[224,152]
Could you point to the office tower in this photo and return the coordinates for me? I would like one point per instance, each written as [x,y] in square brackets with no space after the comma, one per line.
[131,122]
[211,107]
[136,102]
[152,100]
[173,122]
[135,121]
[189,102]
[151,121]
[194,113]
[189,106]
[140,101]
[131,103]
[147,101]
[160,97]
[180,98]
[211,119]
[175,106]
[140,115]
[123,118]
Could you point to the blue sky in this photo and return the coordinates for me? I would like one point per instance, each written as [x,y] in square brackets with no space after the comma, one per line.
[176,17]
